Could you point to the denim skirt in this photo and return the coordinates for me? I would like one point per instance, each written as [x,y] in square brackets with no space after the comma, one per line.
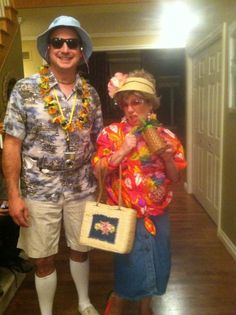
[146,270]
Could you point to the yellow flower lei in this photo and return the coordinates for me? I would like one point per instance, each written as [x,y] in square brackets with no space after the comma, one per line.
[52,106]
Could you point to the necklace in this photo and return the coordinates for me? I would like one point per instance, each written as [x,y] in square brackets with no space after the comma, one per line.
[53,106]
[66,82]
[66,125]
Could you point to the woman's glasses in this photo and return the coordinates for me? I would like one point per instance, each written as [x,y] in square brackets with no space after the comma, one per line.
[72,43]
[133,102]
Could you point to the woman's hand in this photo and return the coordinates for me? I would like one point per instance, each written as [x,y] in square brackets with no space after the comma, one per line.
[171,170]
[167,154]
[129,143]
[116,158]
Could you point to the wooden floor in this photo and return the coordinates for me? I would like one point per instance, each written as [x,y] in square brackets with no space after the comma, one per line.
[203,278]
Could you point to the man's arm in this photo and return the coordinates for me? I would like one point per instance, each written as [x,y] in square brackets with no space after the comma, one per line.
[11,169]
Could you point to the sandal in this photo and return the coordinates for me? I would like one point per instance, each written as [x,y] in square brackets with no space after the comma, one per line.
[114,305]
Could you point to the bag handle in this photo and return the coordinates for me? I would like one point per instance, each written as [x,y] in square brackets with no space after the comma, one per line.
[101,180]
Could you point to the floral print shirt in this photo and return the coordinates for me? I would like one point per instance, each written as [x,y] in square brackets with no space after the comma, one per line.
[45,173]
[145,186]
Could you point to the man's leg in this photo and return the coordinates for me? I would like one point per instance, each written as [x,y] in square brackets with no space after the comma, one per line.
[39,240]
[79,267]
[45,283]
[73,211]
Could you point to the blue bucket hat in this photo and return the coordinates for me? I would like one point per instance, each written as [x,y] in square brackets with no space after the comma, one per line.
[68,21]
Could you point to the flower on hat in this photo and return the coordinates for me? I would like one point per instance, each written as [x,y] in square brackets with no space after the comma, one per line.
[115,83]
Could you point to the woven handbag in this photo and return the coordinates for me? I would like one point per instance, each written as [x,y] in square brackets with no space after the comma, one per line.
[110,228]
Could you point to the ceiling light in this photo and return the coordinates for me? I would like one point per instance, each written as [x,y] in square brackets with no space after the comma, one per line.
[176,23]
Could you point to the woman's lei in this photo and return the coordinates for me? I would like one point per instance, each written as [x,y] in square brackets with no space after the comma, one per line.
[52,106]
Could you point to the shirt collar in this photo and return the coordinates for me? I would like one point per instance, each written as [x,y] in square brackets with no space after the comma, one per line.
[53,81]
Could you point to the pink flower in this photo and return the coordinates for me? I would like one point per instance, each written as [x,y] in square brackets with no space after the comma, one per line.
[105,227]
[115,83]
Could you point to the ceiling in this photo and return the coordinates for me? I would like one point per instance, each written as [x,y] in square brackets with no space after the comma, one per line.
[24,4]
[109,18]
[96,19]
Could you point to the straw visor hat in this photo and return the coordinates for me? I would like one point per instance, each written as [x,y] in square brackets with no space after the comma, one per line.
[68,21]
[138,84]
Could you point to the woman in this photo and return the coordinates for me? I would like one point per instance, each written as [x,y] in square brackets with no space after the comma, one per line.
[146,177]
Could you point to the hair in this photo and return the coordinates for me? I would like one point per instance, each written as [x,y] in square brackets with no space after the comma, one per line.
[154,100]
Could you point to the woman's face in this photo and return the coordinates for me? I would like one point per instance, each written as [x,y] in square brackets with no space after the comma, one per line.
[135,109]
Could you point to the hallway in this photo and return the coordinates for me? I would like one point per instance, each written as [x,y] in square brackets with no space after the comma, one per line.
[202,282]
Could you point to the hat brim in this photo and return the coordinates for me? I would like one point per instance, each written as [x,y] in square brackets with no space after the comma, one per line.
[42,42]
[137,84]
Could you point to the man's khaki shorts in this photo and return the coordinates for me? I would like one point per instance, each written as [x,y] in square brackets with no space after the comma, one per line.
[41,238]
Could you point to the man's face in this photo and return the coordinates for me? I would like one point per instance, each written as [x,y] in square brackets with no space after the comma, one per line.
[64,55]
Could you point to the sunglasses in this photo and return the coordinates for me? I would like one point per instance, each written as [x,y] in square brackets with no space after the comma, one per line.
[72,43]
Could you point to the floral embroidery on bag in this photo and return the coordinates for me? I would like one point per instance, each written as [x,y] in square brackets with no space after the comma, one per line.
[105,227]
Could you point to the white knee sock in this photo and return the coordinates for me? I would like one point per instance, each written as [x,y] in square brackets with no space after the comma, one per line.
[46,288]
[80,275]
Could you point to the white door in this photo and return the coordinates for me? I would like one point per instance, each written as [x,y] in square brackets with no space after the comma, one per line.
[207,129]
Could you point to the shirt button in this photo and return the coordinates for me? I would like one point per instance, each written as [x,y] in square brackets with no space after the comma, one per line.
[54,197]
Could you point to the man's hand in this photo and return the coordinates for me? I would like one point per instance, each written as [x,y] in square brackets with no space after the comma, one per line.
[19,211]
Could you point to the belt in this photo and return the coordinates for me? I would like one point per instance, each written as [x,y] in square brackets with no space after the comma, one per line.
[53,165]
[59,165]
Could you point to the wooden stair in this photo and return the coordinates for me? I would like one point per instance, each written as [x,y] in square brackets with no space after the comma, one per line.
[8,28]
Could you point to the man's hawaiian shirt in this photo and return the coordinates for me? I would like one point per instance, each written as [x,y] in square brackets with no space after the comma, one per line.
[45,173]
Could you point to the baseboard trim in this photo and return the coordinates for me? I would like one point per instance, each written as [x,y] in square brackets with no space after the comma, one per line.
[227,243]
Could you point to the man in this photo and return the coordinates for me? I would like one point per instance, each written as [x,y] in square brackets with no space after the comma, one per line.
[52,121]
